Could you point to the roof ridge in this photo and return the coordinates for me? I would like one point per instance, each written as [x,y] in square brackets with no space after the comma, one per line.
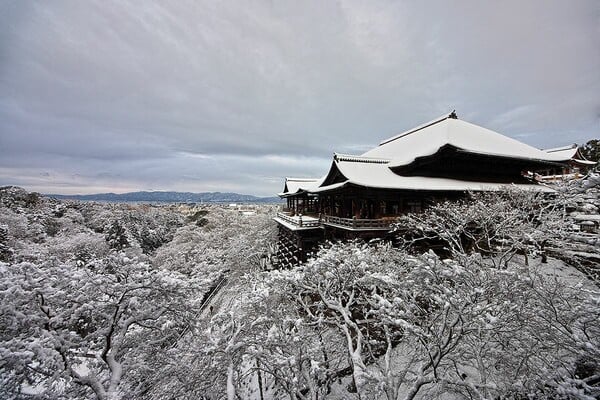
[287,178]
[353,158]
[565,147]
[451,115]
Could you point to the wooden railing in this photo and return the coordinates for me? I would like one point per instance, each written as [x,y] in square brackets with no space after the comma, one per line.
[355,223]
[360,223]
[298,220]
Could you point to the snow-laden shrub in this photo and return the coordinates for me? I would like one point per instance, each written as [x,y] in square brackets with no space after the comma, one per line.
[69,330]
[418,324]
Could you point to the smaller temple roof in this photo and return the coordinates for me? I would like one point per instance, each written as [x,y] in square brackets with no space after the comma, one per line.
[297,185]
[571,152]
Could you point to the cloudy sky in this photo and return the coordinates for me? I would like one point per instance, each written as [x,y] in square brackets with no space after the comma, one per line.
[100,96]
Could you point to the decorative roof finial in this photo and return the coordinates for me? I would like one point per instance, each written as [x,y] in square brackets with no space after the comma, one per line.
[453,115]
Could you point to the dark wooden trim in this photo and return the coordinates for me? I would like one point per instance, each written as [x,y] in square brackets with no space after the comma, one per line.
[455,163]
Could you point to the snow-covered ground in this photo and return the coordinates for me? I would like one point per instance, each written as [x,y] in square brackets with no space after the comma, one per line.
[110,301]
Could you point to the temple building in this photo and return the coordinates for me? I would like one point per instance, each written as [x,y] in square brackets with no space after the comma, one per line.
[577,166]
[362,195]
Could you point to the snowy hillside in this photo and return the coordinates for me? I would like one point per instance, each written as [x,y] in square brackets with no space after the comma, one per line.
[493,297]
[92,294]
[170,197]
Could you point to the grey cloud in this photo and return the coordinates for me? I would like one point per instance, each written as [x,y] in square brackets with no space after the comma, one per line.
[126,93]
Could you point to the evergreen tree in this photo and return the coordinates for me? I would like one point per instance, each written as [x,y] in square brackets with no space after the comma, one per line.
[117,236]
[5,251]
[591,150]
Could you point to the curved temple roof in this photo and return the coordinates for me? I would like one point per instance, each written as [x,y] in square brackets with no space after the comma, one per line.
[362,172]
[427,139]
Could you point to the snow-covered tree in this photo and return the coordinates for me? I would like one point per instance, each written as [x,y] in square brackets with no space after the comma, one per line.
[80,330]
[493,224]
[78,318]
[416,323]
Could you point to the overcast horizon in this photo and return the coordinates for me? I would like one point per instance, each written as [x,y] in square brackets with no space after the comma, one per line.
[123,96]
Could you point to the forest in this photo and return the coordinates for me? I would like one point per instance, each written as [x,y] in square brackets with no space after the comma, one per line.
[493,297]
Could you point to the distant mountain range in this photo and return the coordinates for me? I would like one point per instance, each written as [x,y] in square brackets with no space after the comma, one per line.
[170,197]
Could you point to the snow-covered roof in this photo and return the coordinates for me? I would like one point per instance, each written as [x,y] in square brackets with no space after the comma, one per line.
[363,172]
[570,152]
[427,139]
[584,162]
[375,168]
[296,185]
